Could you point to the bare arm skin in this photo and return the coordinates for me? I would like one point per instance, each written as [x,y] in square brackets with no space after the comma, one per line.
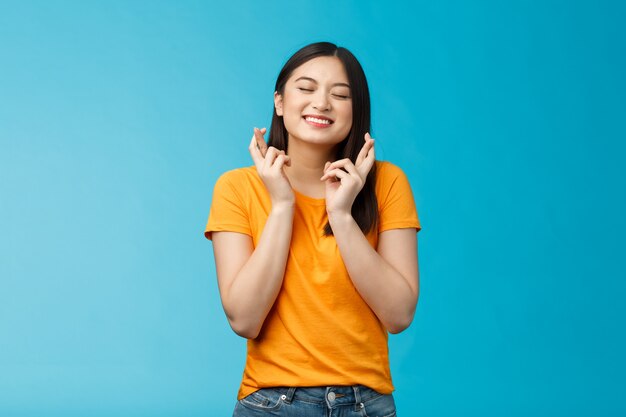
[250,278]
[387,279]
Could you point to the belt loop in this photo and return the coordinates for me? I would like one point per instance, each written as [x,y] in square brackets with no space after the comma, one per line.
[358,405]
[290,393]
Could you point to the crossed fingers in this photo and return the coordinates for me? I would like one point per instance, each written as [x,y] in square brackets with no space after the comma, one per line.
[365,159]
[344,168]
[264,157]
[258,147]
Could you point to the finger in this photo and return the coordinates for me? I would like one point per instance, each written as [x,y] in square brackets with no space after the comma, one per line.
[262,145]
[258,134]
[326,173]
[270,157]
[369,143]
[283,156]
[339,164]
[255,153]
[344,164]
[280,161]
[352,170]
[335,173]
[365,166]
[348,169]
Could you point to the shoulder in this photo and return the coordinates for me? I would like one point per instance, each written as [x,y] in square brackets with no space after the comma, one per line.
[395,198]
[239,174]
[387,174]
[391,183]
[387,169]
[238,182]
[239,178]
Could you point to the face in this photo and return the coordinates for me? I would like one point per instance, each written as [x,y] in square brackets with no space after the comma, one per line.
[316,103]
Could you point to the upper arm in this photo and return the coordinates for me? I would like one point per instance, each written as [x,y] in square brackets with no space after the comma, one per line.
[231,250]
[398,247]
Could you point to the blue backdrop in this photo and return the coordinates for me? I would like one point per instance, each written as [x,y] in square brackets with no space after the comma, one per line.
[117,117]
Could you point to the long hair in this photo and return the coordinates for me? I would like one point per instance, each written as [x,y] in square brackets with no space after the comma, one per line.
[365,206]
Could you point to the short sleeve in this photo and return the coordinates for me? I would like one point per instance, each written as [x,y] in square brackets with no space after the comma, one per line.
[395,199]
[228,212]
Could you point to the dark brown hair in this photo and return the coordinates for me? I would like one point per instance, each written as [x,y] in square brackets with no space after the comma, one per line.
[365,207]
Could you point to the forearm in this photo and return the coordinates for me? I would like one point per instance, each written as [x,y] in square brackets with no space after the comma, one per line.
[383,288]
[256,286]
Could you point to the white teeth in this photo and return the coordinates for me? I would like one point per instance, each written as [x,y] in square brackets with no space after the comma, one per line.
[316,120]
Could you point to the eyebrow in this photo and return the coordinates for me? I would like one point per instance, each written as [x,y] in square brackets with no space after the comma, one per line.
[314,81]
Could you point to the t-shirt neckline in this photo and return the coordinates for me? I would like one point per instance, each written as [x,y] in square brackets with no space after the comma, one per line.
[309,200]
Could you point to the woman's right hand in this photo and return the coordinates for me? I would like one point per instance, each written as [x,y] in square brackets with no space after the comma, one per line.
[270,163]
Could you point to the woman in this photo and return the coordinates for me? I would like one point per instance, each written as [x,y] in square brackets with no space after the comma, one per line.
[316,248]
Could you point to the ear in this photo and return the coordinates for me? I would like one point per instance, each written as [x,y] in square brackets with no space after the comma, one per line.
[278,103]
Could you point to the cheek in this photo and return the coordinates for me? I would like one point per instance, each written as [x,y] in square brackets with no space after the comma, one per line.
[347,115]
[292,110]
[291,118]
[345,109]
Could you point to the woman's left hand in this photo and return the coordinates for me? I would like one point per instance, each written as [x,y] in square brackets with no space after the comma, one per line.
[344,180]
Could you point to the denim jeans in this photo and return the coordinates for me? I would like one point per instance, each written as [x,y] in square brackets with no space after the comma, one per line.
[355,401]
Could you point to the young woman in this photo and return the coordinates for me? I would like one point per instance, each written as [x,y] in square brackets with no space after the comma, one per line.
[316,248]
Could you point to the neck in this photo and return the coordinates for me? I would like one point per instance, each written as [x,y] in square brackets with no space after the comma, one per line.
[307,166]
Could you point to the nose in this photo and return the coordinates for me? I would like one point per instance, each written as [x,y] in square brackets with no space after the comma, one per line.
[321,102]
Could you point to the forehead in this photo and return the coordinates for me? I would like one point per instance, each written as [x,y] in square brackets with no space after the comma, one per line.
[322,69]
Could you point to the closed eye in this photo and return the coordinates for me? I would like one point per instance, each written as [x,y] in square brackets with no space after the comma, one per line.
[341,96]
[304,89]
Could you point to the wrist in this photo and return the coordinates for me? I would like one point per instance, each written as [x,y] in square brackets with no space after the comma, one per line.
[283,207]
[339,218]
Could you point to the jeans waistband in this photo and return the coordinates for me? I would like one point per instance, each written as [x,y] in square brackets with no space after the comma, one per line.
[337,395]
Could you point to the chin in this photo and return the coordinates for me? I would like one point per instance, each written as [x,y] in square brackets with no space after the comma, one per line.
[322,140]
[331,138]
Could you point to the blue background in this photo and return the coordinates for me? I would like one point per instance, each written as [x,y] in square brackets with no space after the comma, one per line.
[117,117]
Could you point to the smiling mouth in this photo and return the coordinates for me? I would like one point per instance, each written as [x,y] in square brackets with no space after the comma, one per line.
[318,121]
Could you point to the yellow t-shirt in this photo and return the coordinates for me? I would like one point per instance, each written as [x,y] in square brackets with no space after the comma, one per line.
[320,331]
